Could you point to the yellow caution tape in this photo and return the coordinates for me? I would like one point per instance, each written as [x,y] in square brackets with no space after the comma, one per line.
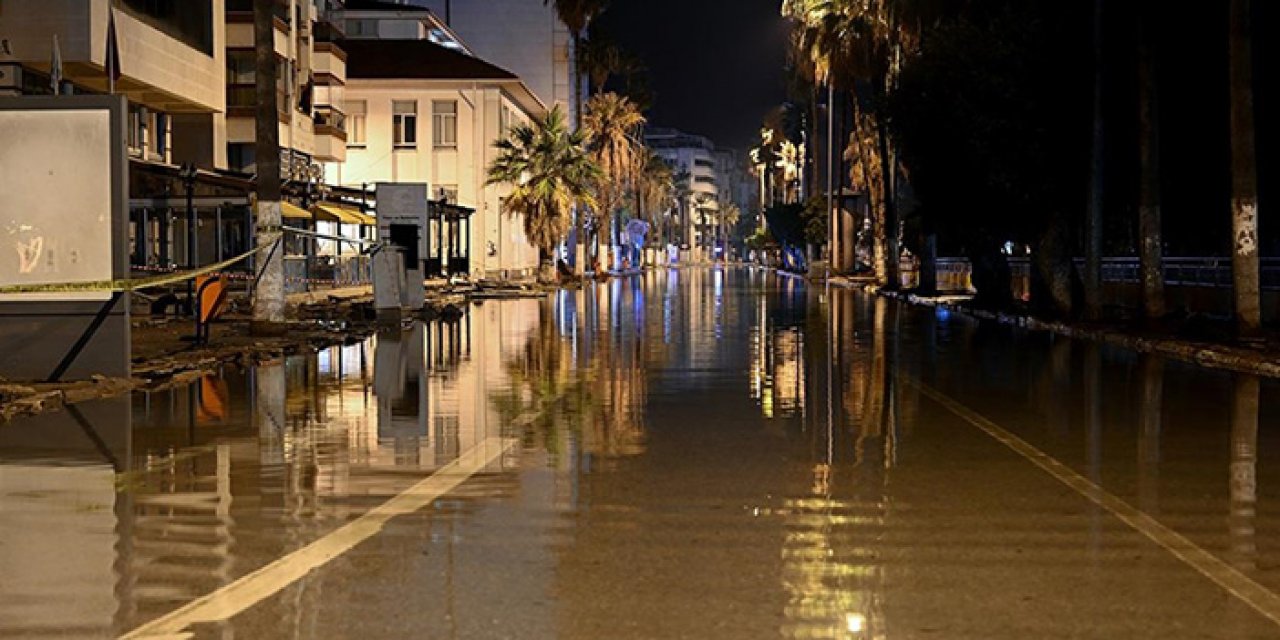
[127,284]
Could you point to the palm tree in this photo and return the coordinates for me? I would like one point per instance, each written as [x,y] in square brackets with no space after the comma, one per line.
[1093,221]
[730,215]
[1244,175]
[268,296]
[577,16]
[842,42]
[612,126]
[683,191]
[549,169]
[654,190]
[1150,238]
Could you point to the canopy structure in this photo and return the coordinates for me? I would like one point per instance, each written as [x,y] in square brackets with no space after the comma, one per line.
[290,211]
[448,239]
[342,214]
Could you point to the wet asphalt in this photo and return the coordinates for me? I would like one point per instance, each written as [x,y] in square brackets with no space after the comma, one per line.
[697,453]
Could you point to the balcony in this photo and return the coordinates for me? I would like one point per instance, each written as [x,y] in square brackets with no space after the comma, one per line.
[330,134]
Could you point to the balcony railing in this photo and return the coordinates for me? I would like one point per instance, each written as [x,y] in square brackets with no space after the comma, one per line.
[327,117]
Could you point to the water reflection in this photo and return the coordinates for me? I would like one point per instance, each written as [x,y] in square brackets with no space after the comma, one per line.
[738,452]
[144,503]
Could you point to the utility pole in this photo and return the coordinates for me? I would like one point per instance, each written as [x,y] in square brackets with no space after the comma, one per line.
[268,298]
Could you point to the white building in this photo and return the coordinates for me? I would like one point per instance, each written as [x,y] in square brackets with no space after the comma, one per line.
[420,112]
[695,156]
[523,36]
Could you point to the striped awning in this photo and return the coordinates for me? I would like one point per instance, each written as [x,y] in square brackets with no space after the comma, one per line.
[345,214]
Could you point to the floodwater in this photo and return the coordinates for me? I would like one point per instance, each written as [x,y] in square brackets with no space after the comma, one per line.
[693,453]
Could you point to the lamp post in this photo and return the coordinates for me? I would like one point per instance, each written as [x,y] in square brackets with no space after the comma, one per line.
[187,173]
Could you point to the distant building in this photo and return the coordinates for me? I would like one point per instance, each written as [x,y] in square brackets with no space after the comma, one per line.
[422,112]
[692,156]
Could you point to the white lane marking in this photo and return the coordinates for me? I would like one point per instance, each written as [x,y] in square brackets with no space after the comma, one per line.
[1262,599]
[267,581]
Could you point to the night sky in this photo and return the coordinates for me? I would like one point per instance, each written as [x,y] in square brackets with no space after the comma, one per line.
[716,66]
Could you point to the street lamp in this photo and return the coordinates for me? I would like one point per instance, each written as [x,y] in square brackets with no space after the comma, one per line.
[187,173]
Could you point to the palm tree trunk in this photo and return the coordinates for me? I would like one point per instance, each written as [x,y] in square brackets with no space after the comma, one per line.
[1093,224]
[1150,237]
[580,226]
[268,299]
[1244,176]
[893,254]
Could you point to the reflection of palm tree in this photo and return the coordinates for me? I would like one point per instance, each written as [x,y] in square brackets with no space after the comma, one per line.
[549,170]
[601,400]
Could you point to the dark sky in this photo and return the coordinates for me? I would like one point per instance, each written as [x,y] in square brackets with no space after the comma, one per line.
[716,66]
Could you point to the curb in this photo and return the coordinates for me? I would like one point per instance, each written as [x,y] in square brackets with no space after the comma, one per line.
[1211,356]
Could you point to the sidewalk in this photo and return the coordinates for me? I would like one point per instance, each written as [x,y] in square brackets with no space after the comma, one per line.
[1262,359]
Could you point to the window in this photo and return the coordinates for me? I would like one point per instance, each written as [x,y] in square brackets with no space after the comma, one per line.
[448,193]
[356,112]
[241,67]
[362,27]
[504,121]
[189,21]
[444,121]
[404,116]
[240,157]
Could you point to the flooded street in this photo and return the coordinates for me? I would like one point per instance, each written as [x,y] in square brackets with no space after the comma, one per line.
[695,453]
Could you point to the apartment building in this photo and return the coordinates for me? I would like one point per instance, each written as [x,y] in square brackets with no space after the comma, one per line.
[421,112]
[693,156]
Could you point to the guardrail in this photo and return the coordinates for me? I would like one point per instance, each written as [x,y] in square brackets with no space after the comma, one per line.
[955,274]
[303,273]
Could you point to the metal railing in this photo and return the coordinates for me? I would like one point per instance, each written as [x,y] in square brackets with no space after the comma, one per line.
[955,274]
[304,273]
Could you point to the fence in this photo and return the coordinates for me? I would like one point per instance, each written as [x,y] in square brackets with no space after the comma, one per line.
[955,274]
[304,273]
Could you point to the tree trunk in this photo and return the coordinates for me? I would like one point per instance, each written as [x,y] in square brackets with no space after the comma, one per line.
[268,299]
[928,282]
[1150,236]
[1093,225]
[991,277]
[1244,175]
[546,267]
[1052,277]
[893,253]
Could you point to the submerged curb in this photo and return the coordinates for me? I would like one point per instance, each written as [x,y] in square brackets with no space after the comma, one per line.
[1209,355]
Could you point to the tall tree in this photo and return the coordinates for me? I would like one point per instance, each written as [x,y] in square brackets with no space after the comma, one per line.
[1150,235]
[1093,222]
[549,169]
[1244,174]
[612,125]
[268,297]
[857,46]
[654,192]
[577,16]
